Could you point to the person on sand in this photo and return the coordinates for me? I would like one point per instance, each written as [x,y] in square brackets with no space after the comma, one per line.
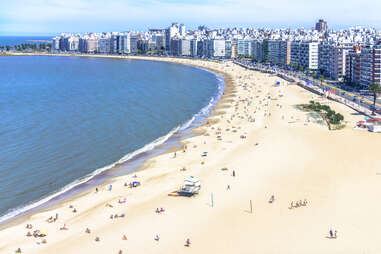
[233,173]
[330,233]
[110,187]
[97,239]
[18,250]
[162,210]
[124,237]
[96,190]
[272,199]
[335,234]
[187,243]
[64,227]
[120,252]
[28,234]
[157,238]
[228,188]
[174,155]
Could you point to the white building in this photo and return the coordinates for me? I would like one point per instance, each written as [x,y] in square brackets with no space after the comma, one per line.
[332,60]
[305,54]
[244,48]
[217,48]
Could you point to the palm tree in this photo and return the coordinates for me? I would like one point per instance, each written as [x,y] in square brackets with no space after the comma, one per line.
[375,89]
[321,78]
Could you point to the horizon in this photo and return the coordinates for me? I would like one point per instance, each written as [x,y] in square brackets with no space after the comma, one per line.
[52,17]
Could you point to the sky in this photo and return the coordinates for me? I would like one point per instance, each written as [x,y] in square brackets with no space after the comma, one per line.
[49,17]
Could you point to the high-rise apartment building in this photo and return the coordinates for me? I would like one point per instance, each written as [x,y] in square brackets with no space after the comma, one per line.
[352,64]
[321,26]
[305,54]
[370,65]
[332,59]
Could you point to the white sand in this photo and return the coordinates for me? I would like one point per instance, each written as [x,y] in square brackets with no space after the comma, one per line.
[282,155]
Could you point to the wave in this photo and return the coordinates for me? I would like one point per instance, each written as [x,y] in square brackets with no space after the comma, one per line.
[201,115]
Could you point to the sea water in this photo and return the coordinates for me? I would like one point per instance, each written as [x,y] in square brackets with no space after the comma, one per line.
[66,120]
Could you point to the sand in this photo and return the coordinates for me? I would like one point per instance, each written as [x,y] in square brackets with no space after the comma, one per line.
[273,148]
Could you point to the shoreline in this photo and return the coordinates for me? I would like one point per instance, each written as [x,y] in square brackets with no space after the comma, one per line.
[257,145]
[51,204]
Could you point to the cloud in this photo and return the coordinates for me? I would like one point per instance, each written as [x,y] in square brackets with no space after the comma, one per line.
[118,15]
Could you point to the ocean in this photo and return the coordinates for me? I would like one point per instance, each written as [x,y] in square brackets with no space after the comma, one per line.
[17,40]
[69,123]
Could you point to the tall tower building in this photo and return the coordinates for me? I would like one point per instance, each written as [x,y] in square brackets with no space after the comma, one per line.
[321,26]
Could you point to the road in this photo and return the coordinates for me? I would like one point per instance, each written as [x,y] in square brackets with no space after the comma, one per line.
[361,101]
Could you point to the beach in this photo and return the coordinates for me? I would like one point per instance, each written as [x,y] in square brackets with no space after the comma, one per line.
[255,145]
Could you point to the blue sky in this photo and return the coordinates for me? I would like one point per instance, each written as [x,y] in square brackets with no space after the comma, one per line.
[40,17]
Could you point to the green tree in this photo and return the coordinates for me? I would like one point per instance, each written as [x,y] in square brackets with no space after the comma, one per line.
[321,78]
[375,89]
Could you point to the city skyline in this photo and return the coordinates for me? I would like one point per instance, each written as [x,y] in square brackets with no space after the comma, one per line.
[49,17]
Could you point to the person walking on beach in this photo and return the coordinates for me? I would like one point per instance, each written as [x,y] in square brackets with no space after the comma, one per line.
[330,233]
[228,188]
[187,243]
[335,234]
[110,187]
[233,173]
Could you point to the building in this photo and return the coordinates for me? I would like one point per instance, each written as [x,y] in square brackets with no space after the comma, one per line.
[234,50]
[305,54]
[193,47]
[352,65]
[370,65]
[332,60]
[160,41]
[285,52]
[104,45]
[244,48]
[216,48]
[56,43]
[228,49]
[170,32]
[184,47]
[182,30]
[321,26]
[277,51]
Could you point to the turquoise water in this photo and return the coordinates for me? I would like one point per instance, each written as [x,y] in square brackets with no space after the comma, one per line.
[66,119]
